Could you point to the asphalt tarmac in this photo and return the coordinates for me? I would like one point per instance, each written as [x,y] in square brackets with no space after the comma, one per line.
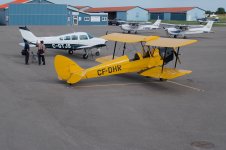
[123,112]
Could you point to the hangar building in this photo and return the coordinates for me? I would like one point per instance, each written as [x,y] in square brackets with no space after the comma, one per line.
[127,13]
[43,12]
[176,13]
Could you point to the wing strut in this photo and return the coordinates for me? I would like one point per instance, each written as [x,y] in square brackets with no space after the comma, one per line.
[124,48]
[114,50]
[164,58]
[177,57]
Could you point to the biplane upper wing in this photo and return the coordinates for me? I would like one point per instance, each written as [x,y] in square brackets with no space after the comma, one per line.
[168,42]
[128,38]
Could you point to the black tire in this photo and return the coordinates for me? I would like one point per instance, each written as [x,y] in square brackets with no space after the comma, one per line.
[97,53]
[162,80]
[85,56]
[175,36]
[129,32]
[70,52]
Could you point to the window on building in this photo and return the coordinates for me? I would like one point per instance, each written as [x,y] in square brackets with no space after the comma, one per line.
[74,37]
[83,37]
[104,19]
[67,38]
[86,19]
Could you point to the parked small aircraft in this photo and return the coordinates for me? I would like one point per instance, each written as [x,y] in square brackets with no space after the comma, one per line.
[71,42]
[149,64]
[135,27]
[183,30]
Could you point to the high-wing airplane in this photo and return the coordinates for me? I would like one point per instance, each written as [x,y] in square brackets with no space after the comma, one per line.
[183,30]
[71,42]
[135,27]
[156,54]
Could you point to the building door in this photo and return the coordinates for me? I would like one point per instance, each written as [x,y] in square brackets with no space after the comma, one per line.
[75,20]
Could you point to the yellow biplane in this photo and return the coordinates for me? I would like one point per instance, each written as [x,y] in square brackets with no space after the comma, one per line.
[156,53]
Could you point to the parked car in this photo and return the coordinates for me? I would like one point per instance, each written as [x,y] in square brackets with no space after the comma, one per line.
[116,22]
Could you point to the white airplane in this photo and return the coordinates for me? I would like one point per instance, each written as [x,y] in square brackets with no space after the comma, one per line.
[183,30]
[134,27]
[70,42]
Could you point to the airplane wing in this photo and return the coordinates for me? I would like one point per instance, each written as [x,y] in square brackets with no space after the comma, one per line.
[166,73]
[128,38]
[181,25]
[90,46]
[168,42]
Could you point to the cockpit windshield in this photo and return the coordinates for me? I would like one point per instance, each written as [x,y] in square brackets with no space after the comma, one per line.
[90,36]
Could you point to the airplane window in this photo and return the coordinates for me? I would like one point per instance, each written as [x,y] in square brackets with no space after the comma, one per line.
[83,37]
[67,38]
[61,38]
[74,37]
[90,36]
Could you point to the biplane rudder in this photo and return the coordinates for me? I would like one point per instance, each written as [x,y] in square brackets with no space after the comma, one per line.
[68,70]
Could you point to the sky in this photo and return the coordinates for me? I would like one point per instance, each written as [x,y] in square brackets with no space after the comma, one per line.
[205,4]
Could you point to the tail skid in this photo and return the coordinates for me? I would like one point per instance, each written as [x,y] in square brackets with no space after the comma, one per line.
[68,70]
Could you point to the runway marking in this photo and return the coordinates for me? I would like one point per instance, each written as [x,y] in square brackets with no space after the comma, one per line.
[133,83]
[187,86]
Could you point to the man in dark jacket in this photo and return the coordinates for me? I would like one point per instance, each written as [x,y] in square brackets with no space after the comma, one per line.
[27,53]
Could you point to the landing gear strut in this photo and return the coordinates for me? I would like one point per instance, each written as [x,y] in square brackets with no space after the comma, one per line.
[70,52]
[86,55]
[98,52]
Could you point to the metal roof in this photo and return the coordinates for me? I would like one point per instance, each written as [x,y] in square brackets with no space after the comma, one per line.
[110,9]
[172,9]
[3,6]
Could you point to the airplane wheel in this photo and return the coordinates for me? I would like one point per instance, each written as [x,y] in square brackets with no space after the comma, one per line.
[129,32]
[175,36]
[70,52]
[85,56]
[161,79]
[185,37]
[97,53]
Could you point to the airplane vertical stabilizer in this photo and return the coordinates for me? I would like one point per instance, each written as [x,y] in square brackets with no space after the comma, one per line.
[28,35]
[208,26]
[157,23]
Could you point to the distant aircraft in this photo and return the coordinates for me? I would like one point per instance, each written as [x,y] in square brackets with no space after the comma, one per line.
[71,42]
[183,30]
[135,27]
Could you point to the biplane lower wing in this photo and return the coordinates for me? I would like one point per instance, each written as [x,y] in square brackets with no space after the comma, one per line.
[166,73]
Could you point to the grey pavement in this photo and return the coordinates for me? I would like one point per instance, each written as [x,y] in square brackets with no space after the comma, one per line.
[123,112]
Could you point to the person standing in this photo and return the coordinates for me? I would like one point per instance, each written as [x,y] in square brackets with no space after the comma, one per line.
[27,52]
[41,53]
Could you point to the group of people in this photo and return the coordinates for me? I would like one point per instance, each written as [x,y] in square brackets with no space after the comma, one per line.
[40,53]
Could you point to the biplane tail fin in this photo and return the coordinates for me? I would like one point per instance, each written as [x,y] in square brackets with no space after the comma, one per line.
[68,70]
[166,73]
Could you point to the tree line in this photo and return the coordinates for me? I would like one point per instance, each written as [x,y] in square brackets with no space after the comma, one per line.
[220,10]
